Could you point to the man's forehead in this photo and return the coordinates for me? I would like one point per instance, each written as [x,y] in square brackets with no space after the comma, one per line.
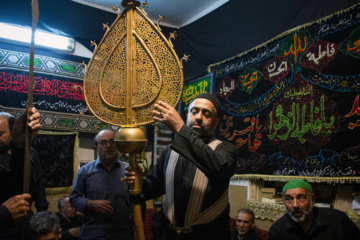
[4,122]
[107,135]
[203,103]
[295,191]
[243,216]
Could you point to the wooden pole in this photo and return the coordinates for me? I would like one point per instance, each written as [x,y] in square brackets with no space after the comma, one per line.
[35,12]
[27,158]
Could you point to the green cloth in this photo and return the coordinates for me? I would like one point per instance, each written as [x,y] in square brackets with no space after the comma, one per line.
[297,183]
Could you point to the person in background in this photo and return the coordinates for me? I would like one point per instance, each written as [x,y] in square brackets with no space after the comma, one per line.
[12,150]
[305,221]
[45,226]
[70,221]
[193,173]
[245,224]
[99,192]
[356,201]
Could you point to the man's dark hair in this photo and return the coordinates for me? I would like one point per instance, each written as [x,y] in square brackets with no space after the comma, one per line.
[247,211]
[10,118]
[44,223]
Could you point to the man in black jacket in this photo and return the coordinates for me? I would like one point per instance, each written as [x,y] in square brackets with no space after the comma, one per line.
[193,173]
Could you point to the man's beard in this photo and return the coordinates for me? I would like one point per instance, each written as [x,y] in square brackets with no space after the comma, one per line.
[303,217]
[4,148]
[203,132]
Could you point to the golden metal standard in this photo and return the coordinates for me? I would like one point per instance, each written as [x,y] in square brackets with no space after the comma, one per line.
[132,68]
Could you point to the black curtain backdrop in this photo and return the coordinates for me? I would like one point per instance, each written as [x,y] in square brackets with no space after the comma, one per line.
[233,28]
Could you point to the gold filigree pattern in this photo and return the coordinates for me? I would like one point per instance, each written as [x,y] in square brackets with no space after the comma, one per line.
[133,67]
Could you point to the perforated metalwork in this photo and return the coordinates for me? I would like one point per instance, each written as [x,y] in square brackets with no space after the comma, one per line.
[155,73]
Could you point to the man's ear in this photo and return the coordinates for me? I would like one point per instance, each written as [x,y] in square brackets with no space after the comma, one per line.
[253,224]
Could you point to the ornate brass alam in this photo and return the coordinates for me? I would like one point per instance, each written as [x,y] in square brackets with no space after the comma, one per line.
[133,67]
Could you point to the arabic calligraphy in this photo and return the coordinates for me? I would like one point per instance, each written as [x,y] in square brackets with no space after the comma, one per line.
[296,122]
[193,89]
[355,110]
[351,157]
[59,105]
[301,120]
[224,69]
[258,104]
[226,87]
[328,171]
[319,55]
[351,45]
[333,24]
[252,130]
[255,162]
[297,94]
[355,48]
[324,157]
[337,83]
[276,69]
[249,79]
[280,69]
[42,86]
[296,47]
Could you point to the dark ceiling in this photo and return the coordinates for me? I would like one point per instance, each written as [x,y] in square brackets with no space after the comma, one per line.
[232,28]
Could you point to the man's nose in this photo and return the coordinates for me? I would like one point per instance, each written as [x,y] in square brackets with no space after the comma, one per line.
[199,117]
[295,203]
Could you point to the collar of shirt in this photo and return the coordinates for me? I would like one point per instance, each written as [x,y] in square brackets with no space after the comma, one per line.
[117,163]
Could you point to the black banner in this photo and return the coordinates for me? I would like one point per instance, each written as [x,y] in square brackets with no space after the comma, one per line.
[292,105]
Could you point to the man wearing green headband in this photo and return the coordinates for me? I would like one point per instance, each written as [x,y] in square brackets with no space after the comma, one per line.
[305,221]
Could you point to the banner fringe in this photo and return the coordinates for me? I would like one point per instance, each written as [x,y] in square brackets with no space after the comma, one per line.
[282,178]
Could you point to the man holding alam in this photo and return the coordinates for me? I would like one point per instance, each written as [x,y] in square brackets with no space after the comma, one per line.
[305,221]
[193,173]
[245,224]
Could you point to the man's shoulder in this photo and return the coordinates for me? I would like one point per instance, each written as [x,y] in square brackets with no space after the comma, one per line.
[331,214]
[328,211]
[280,223]
[60,216]
[89,166]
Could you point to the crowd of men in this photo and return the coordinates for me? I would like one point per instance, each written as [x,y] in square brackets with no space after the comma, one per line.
[192,174]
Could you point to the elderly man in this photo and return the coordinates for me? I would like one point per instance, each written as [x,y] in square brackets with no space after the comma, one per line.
[305,221]
[193,173]
[45,226]
[70,221]
[99,192]
[245,224]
